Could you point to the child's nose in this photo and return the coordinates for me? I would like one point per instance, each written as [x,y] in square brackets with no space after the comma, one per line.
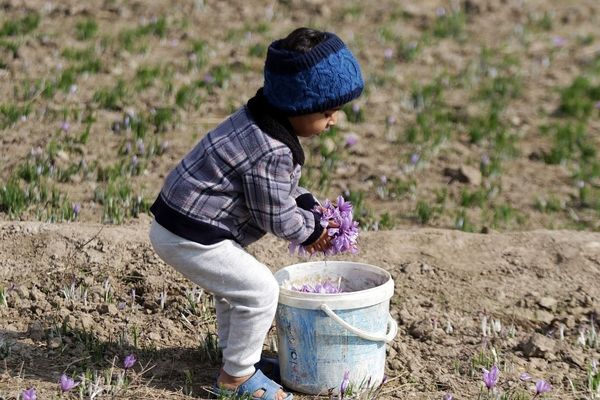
[333,119]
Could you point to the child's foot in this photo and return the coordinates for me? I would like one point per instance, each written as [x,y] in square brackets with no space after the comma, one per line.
[229,382]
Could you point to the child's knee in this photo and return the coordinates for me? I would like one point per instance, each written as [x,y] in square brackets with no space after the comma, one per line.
[268,291]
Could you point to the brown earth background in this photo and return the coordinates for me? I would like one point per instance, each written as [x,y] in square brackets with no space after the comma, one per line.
[492,245]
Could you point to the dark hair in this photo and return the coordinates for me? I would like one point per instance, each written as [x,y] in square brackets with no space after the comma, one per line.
[303,40]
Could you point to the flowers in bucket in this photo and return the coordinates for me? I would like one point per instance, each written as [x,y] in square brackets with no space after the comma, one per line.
[337,219]
[325,286]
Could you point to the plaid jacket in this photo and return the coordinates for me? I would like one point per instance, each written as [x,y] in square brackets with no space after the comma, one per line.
[238,183]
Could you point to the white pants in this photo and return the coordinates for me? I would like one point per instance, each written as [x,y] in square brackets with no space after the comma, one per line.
[244,289]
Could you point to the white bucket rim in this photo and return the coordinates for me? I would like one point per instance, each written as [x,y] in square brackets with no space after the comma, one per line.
[336,301]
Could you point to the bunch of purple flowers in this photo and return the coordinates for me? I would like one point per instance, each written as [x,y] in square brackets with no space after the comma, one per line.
[337,220]
[325,287]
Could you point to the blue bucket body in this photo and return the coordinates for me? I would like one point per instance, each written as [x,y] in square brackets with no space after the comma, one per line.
[315,351]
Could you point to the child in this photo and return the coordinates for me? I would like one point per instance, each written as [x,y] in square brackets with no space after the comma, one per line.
[241,181]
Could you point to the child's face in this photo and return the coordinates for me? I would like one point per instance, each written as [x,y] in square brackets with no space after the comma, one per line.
[312,124]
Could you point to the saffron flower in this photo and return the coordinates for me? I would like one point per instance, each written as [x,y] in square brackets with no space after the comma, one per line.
[559,41]
[326,287]
[541,387]
[490,378]
[76,209]
[67,384]
[209,79]
[29,394]
[338,221]
[448,396]
[414,158]
[129,361]
[344,384]
[351,139]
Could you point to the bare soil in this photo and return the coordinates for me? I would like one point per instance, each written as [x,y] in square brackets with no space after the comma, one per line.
[523,291]
[531,282]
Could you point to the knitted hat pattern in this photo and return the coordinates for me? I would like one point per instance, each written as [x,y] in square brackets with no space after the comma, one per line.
[323,78]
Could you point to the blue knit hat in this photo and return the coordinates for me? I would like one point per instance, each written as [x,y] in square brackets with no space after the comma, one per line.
[325,77]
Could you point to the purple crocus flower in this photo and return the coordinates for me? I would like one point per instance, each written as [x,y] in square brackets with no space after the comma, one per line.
[414,158]
[351,139]
[141,148]
[541,387]
[341,227]
[29,394]
[559,41]
[326,287]
[448,396]
[209,79]
[129,361]
[344,384]
[485,160]
[525,377]
[64,126]
[388,53]
[344,206]
[67,384]
[355,108]
[76,209]
[597,105]
[490,378]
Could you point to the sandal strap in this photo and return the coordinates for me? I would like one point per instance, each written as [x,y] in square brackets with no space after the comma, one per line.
[259,381]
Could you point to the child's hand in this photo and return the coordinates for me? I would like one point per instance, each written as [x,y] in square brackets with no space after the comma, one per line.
[323,242]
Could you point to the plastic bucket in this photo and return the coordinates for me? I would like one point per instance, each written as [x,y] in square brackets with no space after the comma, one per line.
[320,336]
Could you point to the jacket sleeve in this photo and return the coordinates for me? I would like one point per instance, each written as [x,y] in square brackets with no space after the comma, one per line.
[267,190]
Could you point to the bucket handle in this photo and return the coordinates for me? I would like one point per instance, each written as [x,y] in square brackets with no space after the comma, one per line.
[392,327]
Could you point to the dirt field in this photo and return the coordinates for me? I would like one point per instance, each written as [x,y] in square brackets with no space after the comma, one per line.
[531,282]
[471,160]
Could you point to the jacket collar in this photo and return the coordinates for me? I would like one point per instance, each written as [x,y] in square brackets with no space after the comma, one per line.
[275,124]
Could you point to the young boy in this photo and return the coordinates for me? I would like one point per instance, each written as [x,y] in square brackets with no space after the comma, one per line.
[241,181]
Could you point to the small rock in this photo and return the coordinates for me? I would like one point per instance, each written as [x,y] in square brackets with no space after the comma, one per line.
[464,174]
[411,267]
[413,366]
[515,120]
[54,342]
[549,303]
[86,322]
[575,357]
[36,294]
[544,316]
[473,175]
[36,331]
[391,352]
[426,268]
[22,292]
[421,329]
[64,313]
[395,364]
[538,346]
[110,309]
[405,317]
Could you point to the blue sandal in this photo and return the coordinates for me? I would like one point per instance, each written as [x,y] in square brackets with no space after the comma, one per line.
[258,381]
[269,366]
